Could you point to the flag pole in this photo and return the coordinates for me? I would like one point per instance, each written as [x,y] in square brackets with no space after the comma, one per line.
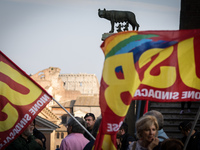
[74,119]
[193,126]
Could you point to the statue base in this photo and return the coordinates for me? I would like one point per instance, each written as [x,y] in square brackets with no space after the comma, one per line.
[105,35]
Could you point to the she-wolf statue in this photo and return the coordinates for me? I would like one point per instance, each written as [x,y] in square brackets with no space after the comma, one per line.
[119,16]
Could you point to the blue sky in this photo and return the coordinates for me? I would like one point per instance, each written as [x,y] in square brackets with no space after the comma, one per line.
[38,34]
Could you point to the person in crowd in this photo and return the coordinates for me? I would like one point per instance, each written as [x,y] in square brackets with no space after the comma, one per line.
[39,135]
[57,147]
[194,142]
[26,141]
[118,141]
[171,144]
[183,107]
[161,133]
[90,120]
[124,138]
[146,131]
[94,133]
[75,139]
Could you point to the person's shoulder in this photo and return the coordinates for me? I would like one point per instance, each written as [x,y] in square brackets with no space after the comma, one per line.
[89,145]
[131,145]
[130,138]
[14,144]
[18,140]
[162,133]
[158,146]
[76,136]
[197,134]
[38,134]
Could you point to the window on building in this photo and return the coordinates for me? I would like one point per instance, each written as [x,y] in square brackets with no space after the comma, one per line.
[62,135]
[58,134]
[64,119]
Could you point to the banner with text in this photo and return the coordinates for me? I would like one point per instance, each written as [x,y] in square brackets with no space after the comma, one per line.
[160,66]
[21,99]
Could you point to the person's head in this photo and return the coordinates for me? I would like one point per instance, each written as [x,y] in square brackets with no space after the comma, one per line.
[185,127]
[90,120]
[147,128]
[172,144]
[74,127]
[123,129]
[158,116]
[28,131]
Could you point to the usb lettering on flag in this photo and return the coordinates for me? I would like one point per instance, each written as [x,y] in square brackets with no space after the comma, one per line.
[160,66]
[21,99]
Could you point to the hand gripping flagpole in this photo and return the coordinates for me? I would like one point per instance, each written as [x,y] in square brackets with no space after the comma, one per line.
[74,119]
[193,126]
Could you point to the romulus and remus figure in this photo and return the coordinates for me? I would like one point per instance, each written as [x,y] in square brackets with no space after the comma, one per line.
[116,16]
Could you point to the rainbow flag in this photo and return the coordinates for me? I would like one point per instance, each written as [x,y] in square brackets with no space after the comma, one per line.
[21,99]
[160,66]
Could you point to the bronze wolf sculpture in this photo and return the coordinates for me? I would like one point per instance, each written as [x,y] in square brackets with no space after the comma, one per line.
[118,16]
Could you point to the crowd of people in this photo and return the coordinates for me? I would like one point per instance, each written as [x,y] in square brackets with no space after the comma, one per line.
[149,135]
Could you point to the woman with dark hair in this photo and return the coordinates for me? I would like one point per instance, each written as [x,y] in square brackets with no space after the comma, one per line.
[172,144]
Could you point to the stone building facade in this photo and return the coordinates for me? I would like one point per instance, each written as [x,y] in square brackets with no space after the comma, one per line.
[49,79]
[77,93]
[85,83]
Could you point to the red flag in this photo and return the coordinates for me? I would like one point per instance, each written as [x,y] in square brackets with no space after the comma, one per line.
[21,99]
[146,107]
[161,66]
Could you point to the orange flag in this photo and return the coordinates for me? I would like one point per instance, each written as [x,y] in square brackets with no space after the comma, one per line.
[21,99]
